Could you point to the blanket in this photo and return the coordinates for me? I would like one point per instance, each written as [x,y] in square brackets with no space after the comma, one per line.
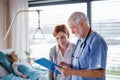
[33,73]
[12,76]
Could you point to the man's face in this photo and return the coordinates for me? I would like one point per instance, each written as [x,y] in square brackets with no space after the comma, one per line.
[74,29]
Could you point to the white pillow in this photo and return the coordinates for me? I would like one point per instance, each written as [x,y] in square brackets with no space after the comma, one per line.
[3,71]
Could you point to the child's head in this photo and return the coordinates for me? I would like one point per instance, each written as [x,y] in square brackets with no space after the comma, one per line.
[13,57]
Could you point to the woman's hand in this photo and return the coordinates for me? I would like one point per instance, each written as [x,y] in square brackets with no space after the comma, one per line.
[62,63]
[25,76]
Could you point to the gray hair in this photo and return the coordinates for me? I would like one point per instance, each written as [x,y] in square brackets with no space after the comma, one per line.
[76,17]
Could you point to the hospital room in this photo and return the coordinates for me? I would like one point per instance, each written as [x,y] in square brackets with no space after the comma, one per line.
[59,39]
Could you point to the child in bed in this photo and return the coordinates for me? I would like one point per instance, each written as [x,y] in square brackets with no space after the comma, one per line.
[14,59]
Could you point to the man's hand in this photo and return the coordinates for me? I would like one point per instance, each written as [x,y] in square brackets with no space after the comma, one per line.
[65,70]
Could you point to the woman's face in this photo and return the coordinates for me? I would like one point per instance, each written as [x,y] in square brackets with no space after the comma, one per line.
[62,38]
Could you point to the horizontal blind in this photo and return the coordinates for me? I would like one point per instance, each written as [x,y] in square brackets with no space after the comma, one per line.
[50,17]
[106,21]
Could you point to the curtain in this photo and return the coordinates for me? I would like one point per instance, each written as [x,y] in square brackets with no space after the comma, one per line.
[17,37]
[19,29]
[4,22]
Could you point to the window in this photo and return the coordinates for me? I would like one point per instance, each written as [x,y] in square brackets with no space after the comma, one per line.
[106,21]
[50,17]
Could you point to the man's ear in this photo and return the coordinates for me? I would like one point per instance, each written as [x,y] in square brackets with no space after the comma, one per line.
[82,23]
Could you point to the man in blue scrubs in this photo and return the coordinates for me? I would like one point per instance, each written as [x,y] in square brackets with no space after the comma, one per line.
[90,55]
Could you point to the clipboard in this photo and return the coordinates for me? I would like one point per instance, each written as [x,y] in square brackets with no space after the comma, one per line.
[48,64]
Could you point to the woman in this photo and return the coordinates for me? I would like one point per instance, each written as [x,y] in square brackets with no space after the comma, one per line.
[62,51]
[14,59]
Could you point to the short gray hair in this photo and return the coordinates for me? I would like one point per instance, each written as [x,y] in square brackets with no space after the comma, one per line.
[76,17]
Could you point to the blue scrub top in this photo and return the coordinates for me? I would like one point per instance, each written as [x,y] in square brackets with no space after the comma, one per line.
[93,56]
